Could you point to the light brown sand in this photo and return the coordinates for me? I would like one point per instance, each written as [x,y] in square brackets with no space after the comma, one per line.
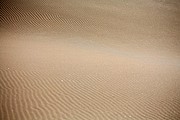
[90,60]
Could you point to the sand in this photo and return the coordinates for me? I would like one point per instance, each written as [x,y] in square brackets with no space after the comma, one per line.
[90,60]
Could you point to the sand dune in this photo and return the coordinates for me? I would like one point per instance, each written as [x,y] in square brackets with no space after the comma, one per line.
[90,60]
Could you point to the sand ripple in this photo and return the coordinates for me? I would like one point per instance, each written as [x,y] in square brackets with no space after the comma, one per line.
[89,60]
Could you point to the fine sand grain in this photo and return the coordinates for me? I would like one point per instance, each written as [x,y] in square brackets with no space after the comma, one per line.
[90,60]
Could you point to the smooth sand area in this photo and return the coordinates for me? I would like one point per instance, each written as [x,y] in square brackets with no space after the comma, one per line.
[90,60]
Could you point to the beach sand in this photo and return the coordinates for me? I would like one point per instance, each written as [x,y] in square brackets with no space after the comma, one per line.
[90,60]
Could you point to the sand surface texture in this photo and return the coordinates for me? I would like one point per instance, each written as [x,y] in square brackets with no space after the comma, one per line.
[90,60]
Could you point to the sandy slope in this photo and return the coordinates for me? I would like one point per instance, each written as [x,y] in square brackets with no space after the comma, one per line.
[90,60]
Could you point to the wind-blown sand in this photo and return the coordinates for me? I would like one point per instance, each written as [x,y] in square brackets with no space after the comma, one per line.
[90,60]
